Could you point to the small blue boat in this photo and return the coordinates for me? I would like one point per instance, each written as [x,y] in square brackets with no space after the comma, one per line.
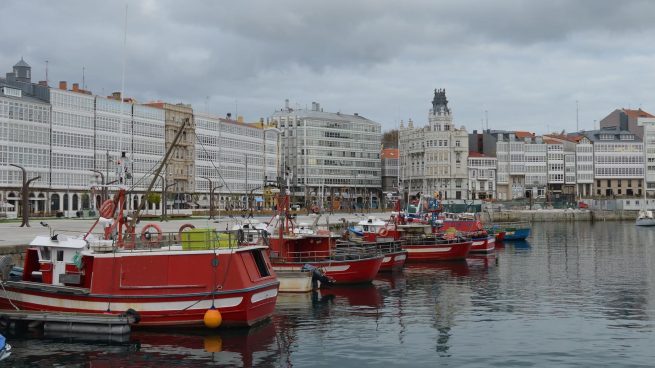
[511,230]
[517,234]
[5,349]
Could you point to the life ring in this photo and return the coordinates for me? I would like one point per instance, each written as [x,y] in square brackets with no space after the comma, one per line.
[147,236]
[107,209]
[184,227]
[383,232]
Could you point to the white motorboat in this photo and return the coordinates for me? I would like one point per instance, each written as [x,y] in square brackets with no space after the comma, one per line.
[645,218]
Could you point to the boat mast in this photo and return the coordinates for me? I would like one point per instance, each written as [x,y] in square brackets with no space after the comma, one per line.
[156,174]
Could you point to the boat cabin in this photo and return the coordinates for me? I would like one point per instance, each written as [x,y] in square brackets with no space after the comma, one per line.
[55,260]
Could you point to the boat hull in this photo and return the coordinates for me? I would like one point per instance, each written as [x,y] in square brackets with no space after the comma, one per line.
[238,308]
[483,245]
[355,271]
[437,252]
[393,261]
[519,234]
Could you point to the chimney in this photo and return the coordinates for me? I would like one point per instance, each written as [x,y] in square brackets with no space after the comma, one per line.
[63,85]
[356,114]
[76,87]
[286,104]
[239,119]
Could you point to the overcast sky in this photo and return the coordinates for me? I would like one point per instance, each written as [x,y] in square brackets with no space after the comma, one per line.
[525,62]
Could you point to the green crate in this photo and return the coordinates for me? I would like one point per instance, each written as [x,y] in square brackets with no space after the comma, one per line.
[206,239]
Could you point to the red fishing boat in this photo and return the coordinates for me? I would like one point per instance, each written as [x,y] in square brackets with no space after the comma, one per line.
[161,279]
[164,279]
[378,234]
[423,246]
[473,229]
[294,248]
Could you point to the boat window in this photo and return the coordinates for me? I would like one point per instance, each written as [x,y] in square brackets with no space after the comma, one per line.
[60,256]
[45,254]
[261,263]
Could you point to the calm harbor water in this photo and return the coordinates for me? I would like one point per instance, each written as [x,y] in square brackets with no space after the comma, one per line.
[572,295]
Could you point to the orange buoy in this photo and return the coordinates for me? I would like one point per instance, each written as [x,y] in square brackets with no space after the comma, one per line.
[212,318]
[213,344]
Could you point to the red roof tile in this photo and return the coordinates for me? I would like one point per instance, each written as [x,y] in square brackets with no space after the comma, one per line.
[638,113]
[522,134]
[389,153]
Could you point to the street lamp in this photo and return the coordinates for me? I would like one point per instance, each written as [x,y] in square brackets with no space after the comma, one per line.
[211,195]
[24,196]
[164,194]
[267,129]
[103,191]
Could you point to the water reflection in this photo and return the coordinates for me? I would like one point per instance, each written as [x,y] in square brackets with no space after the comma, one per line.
[575,294]
[255,346]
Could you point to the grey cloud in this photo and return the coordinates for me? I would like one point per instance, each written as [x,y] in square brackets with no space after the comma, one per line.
[524,62]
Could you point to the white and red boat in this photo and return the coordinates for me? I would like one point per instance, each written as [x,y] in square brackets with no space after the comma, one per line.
[481,240]
[292,248]
[378,234]
[423,246]
[165,279]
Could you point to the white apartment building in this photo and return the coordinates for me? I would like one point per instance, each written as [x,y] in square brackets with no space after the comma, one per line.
[512,168]
[237,158]
[584,166]
[330,159]
[536,168]
[555,164]
[481,176]
[618,162]
[433,158]
[648,124]
[25,141]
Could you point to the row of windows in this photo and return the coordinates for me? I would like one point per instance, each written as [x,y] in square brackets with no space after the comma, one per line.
[618,147]
[619,160]
[619,171]
[73,140]
[25,156]
[69,120]
[25,133]
[71,101]
[19,110]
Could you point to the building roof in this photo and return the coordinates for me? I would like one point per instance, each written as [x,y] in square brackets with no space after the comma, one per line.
[320,115]
[638,113]
[523,134]
[548,140]
[476,154]
[389,153]
[594,135]
[22,63]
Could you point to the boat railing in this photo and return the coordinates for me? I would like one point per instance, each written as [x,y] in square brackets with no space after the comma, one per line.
[196,239]
[434,240]
[353,252]
[382,247]
[509,225]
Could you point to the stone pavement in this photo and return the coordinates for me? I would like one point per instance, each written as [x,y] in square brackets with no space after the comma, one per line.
[11,234]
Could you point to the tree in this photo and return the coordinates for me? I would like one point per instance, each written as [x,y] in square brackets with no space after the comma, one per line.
[154,198]
[390,139]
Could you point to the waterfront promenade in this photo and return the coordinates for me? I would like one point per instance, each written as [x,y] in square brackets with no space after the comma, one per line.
[12,235]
